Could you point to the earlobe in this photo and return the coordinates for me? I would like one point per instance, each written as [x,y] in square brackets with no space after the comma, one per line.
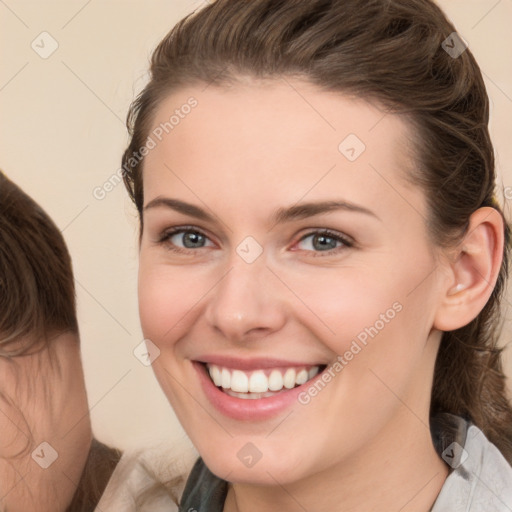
[473,271]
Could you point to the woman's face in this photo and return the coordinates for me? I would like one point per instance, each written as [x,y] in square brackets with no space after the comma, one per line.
[280,238]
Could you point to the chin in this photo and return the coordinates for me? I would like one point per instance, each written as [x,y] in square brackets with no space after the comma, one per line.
[255,461]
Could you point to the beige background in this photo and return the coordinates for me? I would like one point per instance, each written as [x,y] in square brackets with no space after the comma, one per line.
[62,134]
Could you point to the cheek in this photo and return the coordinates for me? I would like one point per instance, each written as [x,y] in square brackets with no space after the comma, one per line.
[387,299]
[338,305]
[167,299]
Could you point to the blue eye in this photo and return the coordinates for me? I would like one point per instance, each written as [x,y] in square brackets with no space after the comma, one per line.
[180,239]
[323,241]
[189,239]
[186,239]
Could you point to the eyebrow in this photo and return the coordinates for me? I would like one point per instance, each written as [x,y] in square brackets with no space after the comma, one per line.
[280,216]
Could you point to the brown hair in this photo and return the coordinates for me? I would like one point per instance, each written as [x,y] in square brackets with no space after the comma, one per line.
[37,298]
[390,52]
[37,303]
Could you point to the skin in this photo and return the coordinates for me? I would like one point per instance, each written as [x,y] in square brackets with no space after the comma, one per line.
[56,413]
[363,443]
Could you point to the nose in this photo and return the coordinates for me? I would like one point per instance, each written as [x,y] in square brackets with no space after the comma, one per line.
[247,303]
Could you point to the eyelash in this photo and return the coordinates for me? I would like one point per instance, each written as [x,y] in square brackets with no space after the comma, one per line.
[166,235]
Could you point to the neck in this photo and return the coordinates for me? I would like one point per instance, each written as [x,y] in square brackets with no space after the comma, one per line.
[399,470]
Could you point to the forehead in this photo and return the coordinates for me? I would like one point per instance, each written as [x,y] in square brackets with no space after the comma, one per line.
[278,140]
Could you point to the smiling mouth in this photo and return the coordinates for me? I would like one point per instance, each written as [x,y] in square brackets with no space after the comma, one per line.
[260,383]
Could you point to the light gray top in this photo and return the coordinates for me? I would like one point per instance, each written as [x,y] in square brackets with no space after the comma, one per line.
[481,478]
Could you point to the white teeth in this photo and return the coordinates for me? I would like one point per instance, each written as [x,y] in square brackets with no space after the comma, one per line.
[258,384]
[239,382]
[216,375]
[313,371]
[275,381]
[225,379]
[302,377]
[289,378]
[249,396]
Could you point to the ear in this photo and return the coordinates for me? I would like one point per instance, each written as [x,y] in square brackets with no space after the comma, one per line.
[473,271]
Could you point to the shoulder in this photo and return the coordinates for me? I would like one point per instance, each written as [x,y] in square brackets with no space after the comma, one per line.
[147,481]
[481,478]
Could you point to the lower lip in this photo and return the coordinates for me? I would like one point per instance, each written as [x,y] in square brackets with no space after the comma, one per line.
[248,409]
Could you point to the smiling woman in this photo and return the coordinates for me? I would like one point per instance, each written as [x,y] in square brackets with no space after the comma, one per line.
[337,166]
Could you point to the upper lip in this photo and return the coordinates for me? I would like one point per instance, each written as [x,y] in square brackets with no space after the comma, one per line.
[257,363]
